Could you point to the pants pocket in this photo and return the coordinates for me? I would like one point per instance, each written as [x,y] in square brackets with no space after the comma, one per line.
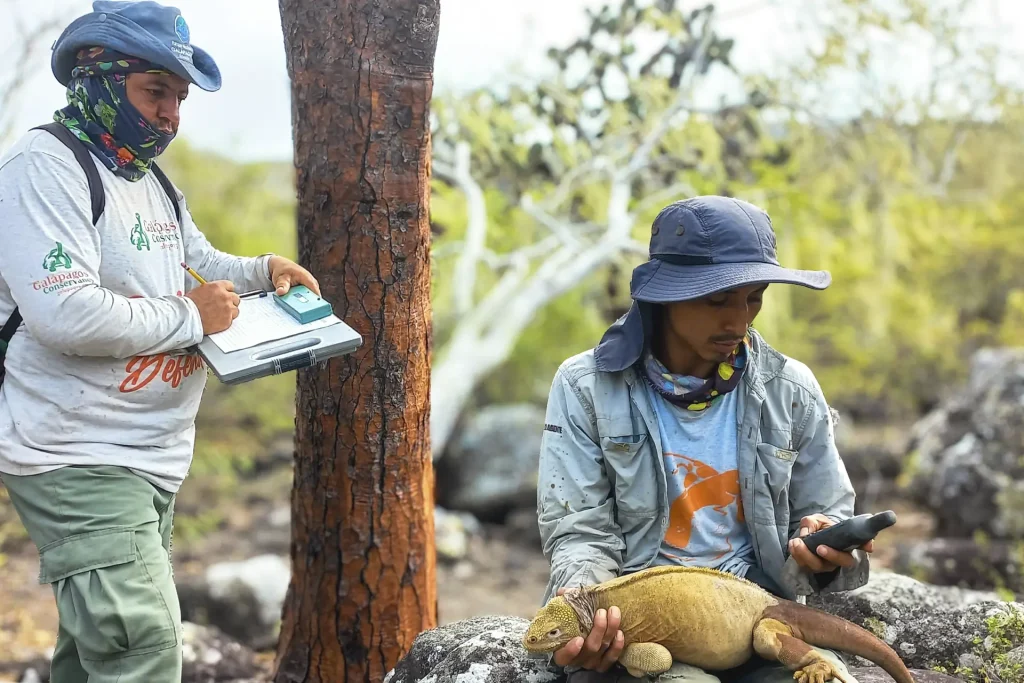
[107,599]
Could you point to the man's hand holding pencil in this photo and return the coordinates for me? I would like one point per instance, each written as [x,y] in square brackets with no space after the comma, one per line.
[216,301]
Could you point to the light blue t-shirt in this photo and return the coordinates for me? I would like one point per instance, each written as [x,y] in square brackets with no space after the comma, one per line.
[706,527]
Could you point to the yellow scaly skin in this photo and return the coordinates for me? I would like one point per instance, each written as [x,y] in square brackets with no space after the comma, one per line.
[709,619]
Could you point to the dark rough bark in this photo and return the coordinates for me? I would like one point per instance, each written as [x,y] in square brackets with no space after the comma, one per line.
[363,573]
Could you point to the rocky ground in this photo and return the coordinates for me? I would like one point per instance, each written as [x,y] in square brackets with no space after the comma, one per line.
[483,570]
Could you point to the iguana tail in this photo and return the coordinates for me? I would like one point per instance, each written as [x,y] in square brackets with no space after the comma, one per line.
[821,629]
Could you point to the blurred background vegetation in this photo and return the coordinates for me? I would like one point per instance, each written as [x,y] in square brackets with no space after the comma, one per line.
[914,203]
[912,198]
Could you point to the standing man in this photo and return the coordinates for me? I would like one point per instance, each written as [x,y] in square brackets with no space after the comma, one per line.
[98,405]
[683,438]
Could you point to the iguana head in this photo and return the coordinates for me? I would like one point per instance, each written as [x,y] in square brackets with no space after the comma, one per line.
[555,625]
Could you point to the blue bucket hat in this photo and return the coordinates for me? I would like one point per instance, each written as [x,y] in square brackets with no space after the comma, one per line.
[709,244]
[698,247]
[140,28]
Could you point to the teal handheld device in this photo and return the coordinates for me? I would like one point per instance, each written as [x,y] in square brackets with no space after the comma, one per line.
[303,305]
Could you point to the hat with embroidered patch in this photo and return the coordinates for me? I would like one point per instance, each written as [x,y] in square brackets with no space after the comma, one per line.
[143,29]
[709,244]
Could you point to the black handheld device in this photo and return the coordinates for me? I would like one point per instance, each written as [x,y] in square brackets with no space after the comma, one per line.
[850,533]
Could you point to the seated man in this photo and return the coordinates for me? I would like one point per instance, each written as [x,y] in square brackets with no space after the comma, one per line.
[684,438]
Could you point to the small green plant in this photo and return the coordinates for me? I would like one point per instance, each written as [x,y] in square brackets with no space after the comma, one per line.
[1006,631]
[876,626]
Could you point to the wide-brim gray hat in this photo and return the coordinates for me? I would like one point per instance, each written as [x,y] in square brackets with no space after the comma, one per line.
[699,247]
[710,244]
[139,28]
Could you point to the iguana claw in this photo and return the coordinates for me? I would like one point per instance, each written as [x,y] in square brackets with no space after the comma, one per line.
[819,671]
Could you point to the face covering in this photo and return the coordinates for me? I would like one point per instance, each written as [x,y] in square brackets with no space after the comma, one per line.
[690,392]
[100,115]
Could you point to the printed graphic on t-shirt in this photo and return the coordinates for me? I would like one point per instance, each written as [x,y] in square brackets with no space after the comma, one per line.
[62,283]
[57,259]
[139,237]
[141,371]
[704,497]
[706,525]
[63,279]
[146,233]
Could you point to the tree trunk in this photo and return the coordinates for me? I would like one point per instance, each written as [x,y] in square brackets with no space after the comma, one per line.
[363,581]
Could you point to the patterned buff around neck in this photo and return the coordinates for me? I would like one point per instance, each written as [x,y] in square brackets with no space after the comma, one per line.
[680,390]
[100,115]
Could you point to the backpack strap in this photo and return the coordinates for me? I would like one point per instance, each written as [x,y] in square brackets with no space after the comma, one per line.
[9,327]
[169,189]
[84,157]
[97,198]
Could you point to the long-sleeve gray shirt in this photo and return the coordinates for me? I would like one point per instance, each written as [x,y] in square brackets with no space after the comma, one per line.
[98,372]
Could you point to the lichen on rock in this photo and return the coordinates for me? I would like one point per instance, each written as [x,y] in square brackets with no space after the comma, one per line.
[964,633]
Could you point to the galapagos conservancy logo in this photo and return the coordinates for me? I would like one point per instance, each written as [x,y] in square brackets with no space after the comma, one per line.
[181,29]
[62,283]
[139,237]
[57,259]
[145,233]
[181,49]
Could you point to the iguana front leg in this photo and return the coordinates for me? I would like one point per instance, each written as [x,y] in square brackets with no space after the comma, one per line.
[774,640]
[642,659]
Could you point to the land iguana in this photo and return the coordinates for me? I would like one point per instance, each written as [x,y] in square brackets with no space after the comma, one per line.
[709,619]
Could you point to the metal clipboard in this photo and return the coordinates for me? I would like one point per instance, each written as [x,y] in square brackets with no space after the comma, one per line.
[275,357]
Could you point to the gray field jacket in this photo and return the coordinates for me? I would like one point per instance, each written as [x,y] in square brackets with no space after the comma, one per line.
[602,496]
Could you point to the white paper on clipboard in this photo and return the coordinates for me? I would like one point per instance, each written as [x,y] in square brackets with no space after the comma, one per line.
[261,320]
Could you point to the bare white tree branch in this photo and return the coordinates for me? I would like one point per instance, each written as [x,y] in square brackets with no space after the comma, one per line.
[642,156]
[637,248]
[596,166]
[499,263]
[486,336]
[562,230]
[948,166]
[476,225]
[527,254]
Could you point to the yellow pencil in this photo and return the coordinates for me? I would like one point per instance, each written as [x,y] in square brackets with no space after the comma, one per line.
[193,273]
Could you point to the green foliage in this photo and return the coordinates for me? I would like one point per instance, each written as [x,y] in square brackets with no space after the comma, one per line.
[244,209]
[922,275]
[1006,632]
[12,531]
[912,204]
[526,376]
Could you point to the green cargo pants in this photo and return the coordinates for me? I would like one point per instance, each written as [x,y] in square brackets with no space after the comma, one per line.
[104,537]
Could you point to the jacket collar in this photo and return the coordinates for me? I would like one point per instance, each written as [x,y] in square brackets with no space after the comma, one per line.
[765,363]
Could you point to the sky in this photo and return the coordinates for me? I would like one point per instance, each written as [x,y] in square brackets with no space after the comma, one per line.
[250,117]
